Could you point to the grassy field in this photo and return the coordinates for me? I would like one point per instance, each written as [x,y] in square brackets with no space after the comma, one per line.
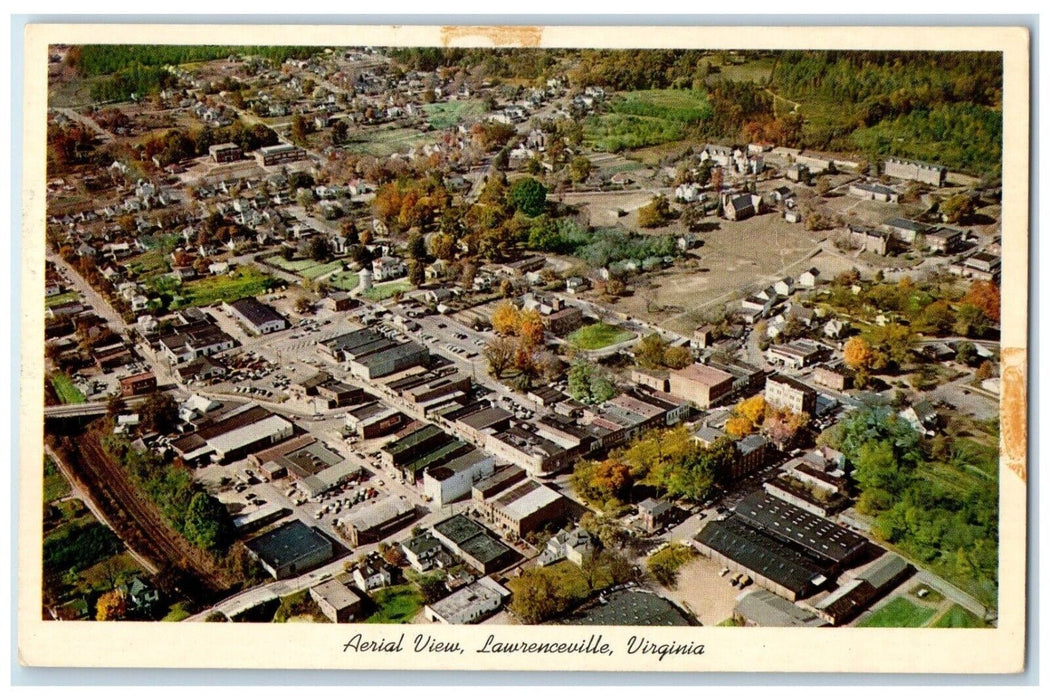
[387,290]
[396,605]
[55,485]
[645,118]
[245,281]
[63,298]
[117,567]
[346,281]
[442,115]
[151,262]
[65,389]
[959,617]
[385,142]
[599,335]
[308,269]
[176,613]
[899,612]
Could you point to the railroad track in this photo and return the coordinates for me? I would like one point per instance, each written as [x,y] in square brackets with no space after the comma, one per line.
[139,523]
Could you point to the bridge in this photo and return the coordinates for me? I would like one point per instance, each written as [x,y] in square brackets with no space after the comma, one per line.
[88,409]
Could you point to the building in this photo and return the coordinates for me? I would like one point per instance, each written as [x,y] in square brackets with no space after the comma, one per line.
[741,206]
[524,507]
[387,268]
[905,229]
[576,546]
[225,152]
[290,549]
[652,378]
[374,419]
[655,514]
[750,456]
[785,392]
[472,543]
[200,338]
[337,601]
[339,301]
[874,192]
[422,551]
[833,376]
[761,608]
[454,479]
[914,170]
[468,605]
[700,384]
[634,607]
[856,596]
[943,239]
[980,266]
[873,240]
[797,354]
[257,316]
[373,521]
[394,357]
[137,384]
[236,435]
[281,153]
[372,574]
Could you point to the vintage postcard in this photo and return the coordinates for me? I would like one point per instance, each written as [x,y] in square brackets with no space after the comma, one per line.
[525,348]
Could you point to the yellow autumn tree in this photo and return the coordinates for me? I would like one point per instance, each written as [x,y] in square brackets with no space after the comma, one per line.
[110,606]
[506,319]
[858,353]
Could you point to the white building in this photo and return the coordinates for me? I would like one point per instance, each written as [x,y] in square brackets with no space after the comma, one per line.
[454,479]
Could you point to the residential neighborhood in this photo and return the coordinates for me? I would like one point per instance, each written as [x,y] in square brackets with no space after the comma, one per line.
[472,336]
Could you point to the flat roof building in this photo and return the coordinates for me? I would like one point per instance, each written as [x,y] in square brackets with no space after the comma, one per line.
[470,604]
[524,507]
[473,543]
[290,549]
[257,316]
[700,384]
[372,521]
[337,601]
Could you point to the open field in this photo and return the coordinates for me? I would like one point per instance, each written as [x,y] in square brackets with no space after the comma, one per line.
[387,290]
[247,281]
[385,142]
[63,298]
[599,335]
[958,617]
[65,389]
[442,115]
[899,612]
[149,263]
[645,118]
[396,605]
[346,281]
[308,269]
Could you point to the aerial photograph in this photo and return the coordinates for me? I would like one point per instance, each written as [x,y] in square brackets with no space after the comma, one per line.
[528,336]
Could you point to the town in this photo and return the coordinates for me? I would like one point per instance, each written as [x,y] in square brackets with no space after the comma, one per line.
[520,337]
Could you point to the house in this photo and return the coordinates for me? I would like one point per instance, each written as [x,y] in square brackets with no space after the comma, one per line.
[337,601]
[575,285]
[836,329]
[809,278]
[922,416]
[914,170]
[387,268]
[575,546]
[372,574]
[655,514]
[741,206]
[423,551]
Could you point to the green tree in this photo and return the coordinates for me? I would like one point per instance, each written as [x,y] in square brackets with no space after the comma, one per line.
[655,213]
[529,196]
[650,350]
[159,413]
[580,169]
[207,523]
[320,250]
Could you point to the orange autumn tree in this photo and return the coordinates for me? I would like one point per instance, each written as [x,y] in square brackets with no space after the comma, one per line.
[986,297]
[506,319]
[747,416]
[110,606]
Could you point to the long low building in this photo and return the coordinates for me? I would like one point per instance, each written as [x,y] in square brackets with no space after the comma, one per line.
[470,604]
[524,507]
[761,608]
[235,436]
[257,316]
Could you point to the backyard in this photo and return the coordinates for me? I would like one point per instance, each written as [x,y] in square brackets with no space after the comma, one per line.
[385,291]
[442,115]
[307,268]
[247,281]
[66,391]
[396,605]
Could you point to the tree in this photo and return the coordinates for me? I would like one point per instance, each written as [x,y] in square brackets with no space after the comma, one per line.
[320,250]
[971,321]
[416,272]
[602,482]
[207,523]
[858,354]
[110,606]
[417,246]
[528,196]
[588,383]
[500,353]
[957,209]
[677,357]
[115,406]
[159,413]
[693,216]
[823,186]
[536,598]
[580,169]
[986,370]
[655,213]
[664,565]
[303,305]
[965,353]
[299,130]
[650,350]
[530,329]
[340,131]
[986,297]
[506,319]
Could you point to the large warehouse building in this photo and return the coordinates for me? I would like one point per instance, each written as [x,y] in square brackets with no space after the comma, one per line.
[290,549]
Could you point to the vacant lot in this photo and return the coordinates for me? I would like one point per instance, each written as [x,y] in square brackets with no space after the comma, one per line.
[65,389]
[246,281]
[307,269]
[703,592]
[599,335]
[442,115]
[646,118]
[63,298]
[899,612]
[346,281]
[55,485]
[387,290]
[396,605]
[385,142]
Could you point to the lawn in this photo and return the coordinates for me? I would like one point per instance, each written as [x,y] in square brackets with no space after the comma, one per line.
[396,605]
[308,269]
[176,613]
[899,612]
[152,262]
[932,595]
[65,389]
[442,115]
[63,298]
[246,281]
[599,335]
[55,485]
[959,617]
[117,567]
[346,281]
[385,291]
